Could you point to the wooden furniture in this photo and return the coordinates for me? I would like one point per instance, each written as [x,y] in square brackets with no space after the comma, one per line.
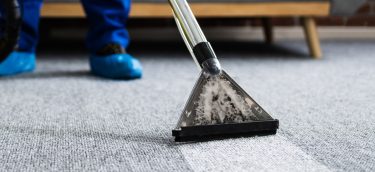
[305,10]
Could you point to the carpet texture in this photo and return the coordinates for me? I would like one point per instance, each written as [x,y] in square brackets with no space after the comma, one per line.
[62,118]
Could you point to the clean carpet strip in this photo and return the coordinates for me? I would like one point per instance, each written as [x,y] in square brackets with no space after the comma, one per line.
[269,153]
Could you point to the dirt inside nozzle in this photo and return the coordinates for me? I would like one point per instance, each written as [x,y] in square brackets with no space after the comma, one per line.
[220,103]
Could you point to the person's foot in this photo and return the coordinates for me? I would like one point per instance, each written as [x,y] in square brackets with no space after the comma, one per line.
[16,63]
[113,62]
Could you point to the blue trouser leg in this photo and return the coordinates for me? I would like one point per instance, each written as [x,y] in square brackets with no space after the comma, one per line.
[30,25]
[107,20]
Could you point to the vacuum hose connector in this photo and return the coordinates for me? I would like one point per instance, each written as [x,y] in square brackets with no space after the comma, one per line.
[206,58]
[212,66]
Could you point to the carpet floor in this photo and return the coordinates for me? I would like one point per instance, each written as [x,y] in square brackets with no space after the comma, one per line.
[60,118]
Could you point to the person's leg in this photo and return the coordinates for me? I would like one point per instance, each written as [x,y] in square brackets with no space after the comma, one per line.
[108,38]
[30,25]
[23,59]
[107,20]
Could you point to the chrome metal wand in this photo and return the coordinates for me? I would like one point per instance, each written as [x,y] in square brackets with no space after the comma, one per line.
[199,47]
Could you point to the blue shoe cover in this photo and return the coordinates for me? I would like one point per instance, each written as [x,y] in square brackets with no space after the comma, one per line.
[116,66]
[17,62]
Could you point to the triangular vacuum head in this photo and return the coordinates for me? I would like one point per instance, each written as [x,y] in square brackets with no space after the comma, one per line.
[219,108]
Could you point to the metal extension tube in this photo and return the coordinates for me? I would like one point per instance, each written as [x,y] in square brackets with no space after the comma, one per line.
[200,49]
[187,22]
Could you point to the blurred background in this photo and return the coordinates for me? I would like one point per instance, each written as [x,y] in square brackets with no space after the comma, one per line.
[271,21]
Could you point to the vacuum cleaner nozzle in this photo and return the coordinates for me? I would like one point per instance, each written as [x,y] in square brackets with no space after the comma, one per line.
[218,107]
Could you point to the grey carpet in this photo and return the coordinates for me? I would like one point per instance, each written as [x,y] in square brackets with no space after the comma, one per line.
[61,118]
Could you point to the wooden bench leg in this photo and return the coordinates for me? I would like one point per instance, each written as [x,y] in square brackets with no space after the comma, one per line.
[312,37]
[267,30]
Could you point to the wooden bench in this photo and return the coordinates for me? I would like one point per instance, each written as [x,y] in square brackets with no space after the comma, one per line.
[305,10]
